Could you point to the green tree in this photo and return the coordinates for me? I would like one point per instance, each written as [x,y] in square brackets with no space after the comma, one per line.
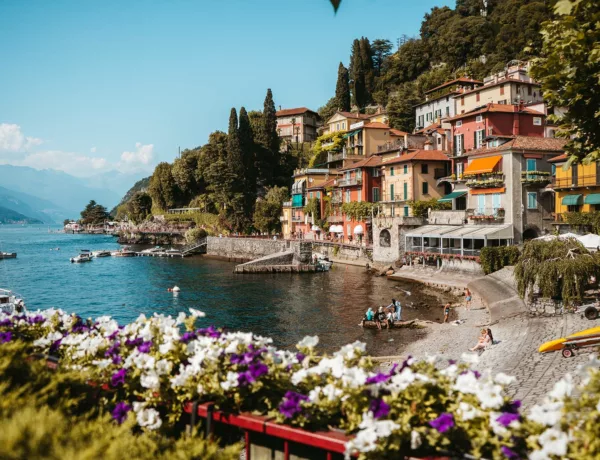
[269,209]
[248,150]
[233,176]
[329,109]
[267,138]
[93,214]
[361,73]
[382,49]
[569,70]
[185,176]
[400,107]
[342,89]
[163,188]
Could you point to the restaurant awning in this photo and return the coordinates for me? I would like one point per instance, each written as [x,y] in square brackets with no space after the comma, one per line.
[592,198]
[482,165]
[572,200]
[452,196]
[476,232]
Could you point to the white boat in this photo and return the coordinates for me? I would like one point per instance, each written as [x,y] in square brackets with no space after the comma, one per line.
[8,255]
[10,302]
[83,257]
[101,253]
[322,261]
[125,252]
[151,250]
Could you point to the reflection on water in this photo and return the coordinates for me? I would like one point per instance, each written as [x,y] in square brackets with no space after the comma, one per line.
[285,307]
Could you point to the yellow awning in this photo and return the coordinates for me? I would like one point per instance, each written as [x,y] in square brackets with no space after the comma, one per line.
[482,165]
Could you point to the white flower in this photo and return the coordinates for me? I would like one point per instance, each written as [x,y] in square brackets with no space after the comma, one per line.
[467,412]
[309,341]
[470,358]
[231,382]
[466,383]
[450,371]
[150,380]
[538,455]
[165,347]
[299,376]
[164,366]
[149,418]
[504,379]
[554,442]
[548,414]
[102,363]
[180,318]
[197,313]
[401,381]
[415,440]
[562,388]
[497,428]
[490,396]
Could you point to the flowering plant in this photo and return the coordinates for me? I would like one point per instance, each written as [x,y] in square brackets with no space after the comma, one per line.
[149,368]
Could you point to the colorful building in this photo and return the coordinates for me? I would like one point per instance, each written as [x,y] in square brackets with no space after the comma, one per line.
[297,125]
[577,189]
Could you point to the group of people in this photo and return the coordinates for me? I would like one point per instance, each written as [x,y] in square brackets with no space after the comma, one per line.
[486,338]
[384,315]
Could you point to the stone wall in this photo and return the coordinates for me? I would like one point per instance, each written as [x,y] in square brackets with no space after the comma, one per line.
[397,228]
[239,249]
[355,255]
[278,258]
[465,266]
[545,307]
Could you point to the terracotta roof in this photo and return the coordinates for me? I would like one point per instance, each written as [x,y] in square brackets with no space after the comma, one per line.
[376,124]
[559,158]
[419,155]
[501,82]
[397,132]
[432,126]
[296,111]
[327,183]
[366,163]
[496,108]
[448,83]
[354,115]
[541,144]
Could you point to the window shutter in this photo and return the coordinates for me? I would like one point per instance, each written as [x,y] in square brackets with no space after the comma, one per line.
[474,139]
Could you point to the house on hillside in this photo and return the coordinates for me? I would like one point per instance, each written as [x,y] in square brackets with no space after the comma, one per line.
[297,125]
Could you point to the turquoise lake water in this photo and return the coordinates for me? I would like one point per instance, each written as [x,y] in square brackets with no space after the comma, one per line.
[285,307]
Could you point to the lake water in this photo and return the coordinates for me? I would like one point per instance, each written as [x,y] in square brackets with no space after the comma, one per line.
[285,307]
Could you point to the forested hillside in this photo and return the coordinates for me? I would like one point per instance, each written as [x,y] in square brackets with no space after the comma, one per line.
[474,39]
[8,216]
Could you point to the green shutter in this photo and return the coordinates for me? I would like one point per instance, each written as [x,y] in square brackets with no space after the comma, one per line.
[392,192]
[405,191]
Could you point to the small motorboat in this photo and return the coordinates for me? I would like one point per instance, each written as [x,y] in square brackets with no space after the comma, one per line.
[101,253]
[172,253]
[85,256]
[125,252]
[8,255]
[151,251]
[11,302]
[322,261]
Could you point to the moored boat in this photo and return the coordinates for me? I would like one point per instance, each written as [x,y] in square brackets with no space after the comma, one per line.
[10,302]
[85,256]
[101,253]
[124,252]
[8,255]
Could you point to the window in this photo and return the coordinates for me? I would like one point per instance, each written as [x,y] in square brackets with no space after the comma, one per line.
[496,202]
[405,211]
[359,196]
[502,102]
[344,125]
[502,90]
[385,239]
[458,144]
[375,194]
[405,169]
[459,169]
[405,190]
[439,141]
[337,126]
[479,118]
[553,170]
[462,100]
[425,188]
[573,208]
[479,138]
[310,195]
[531,164]
[447,111]
[537,121]
[424,169]
[531,200]
[347,196]
[477,97]
[480,204]
[391,192]
[459,123]
[529,90]
[391,171]
[319,195]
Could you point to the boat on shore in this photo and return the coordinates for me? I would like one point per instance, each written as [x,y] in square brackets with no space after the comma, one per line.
[85,256]
[101,253]
[8,255]
[10,302]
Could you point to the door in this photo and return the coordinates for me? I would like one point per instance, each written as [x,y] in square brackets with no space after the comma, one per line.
[480,204]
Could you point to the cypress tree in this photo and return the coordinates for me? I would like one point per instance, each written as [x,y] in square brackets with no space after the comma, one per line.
[234,153]
[268,140]
[342,89]
[355,74]
[248,160]
[366,59]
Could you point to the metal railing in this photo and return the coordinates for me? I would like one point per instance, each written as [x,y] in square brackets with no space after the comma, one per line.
[444,250]
[486,214]
[336,199]
[395,197]
[485,180]
[535,179]
[335,219]
[350,182]
[580,181]
[287,204]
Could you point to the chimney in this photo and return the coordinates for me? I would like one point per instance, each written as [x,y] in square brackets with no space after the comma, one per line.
[279,107]
[428,145]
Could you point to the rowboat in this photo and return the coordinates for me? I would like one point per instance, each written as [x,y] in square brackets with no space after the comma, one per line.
[568,345]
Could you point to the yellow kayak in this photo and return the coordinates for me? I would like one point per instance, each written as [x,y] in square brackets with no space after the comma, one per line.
[582,338]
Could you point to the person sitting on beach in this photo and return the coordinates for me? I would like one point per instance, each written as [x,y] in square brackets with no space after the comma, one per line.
[485,339]
[380,318]
[368,316]
[390,318]
[446,312]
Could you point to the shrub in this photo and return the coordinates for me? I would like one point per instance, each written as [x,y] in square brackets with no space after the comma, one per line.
[195,234]
[495,258]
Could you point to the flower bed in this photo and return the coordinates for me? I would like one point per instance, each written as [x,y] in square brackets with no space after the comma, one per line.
[151,368]
[432,257]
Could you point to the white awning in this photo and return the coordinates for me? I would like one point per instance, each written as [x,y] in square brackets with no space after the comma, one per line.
[358,230]
[315,228]
[476,232]
[336,229]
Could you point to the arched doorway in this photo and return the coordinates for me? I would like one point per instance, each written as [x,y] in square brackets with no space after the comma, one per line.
[530,234]
[385,239]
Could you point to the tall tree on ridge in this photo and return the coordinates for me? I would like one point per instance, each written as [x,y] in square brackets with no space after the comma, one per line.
[248,160]
[234,176]
[382,49]
[366,59]
[342,89]
[269,141]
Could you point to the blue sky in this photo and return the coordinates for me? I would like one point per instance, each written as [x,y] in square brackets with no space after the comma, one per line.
[89,86]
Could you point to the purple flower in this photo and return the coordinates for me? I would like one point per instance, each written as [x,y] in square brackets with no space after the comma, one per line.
[405,364]
[114,335]
[382,377]
[300,357]
[443,423]
[235,358]
[257,370]
[37,319]
[119,413]
[145,347]
[451,362]
[116,359]
[187,337]
[113,349]
[379,408]
[210,331]
[512,407]
[134,342]
[507,418]
[118,378]
[244,379]
[509,453]
[5,337]
[291,404]
[55,346]
[476,374]
[6,322]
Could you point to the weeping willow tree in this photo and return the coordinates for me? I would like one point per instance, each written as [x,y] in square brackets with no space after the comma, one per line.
[557,269]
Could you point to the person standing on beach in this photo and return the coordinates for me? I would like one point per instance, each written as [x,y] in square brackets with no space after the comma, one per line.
[398,306]
[468,298]
[446,312]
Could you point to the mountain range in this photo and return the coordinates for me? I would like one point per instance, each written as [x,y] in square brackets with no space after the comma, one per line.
[8,216]
[51,196]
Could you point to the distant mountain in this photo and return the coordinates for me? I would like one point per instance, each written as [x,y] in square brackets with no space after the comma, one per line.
[68,192]
[114,181]
[139,186]
[32,206]
[8,216]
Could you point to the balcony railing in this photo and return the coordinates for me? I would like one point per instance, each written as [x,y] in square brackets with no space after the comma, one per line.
[350,182]
[571,182]
[390,146]
[287,204]
[343,155]
[335,219]
[443,250]
[535,178]
[486,215]
[488,180]
[387,197]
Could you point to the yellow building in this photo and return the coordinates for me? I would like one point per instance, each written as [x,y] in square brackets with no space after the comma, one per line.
[577,188]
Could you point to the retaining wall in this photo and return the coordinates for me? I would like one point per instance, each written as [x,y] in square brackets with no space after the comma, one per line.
[499,294]
[355,255]
[243,249]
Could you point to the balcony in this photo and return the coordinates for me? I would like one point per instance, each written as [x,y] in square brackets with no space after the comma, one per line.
[350,182]
[336,199]
[335,219]
[343,155]
[388,198]
[487,180]
[283,219]
[535,178]
[398,144]
[574,182]
[287,204]
[486,215]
